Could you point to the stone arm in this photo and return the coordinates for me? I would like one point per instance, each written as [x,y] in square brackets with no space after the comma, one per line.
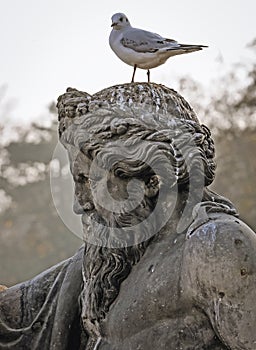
[44,313]
[219,274]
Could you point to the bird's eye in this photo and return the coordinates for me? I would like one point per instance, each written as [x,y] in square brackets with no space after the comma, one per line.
[121,19]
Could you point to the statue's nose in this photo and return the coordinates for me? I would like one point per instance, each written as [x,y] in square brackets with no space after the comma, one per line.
[77,208]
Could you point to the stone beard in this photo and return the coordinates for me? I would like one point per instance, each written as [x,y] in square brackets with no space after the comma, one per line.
[117,147]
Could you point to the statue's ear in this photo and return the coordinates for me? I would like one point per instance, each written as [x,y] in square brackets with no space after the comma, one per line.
[152,187]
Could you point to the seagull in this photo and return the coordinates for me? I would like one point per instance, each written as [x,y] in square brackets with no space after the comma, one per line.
[142,49]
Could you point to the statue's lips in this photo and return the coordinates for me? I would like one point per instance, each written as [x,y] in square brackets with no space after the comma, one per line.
[81,209]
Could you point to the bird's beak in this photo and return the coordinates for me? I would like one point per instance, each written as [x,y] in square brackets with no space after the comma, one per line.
[113,24]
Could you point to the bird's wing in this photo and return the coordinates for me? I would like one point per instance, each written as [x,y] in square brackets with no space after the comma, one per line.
[143,41]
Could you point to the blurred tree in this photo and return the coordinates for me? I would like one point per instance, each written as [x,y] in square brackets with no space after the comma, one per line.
[231,115]
[32,236]
[236,170]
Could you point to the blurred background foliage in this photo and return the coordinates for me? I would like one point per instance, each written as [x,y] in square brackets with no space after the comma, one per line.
[33,237]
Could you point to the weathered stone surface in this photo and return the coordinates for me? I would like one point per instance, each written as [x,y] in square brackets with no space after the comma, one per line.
[167,264]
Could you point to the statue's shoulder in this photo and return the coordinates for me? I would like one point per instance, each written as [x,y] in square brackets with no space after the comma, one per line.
[219,277]
[220,253]
[222,230]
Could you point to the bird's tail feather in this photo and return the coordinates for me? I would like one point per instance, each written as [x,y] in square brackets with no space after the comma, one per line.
[189,48]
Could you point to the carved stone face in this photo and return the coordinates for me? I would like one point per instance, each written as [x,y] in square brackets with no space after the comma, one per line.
[100,190]
[105,194]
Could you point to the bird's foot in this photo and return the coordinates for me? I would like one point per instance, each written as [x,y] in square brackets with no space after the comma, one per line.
[148,74]
[134,70]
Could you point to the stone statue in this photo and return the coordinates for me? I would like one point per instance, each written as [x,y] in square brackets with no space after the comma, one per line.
[166,263]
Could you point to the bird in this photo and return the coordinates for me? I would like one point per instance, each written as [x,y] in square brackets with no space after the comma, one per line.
[143,49]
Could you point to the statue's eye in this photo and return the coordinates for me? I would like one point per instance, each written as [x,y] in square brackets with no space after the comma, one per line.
[81,178]
[121,19]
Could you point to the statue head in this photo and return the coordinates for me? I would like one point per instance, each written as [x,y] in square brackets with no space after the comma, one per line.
[131,161]
[141,163]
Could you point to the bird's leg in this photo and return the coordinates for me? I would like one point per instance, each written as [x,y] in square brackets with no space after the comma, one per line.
[134,70]
[148,74]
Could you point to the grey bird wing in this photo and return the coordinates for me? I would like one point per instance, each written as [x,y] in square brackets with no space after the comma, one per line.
[143,41]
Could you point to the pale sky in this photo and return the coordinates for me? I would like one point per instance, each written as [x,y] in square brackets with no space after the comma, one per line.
[49,45]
